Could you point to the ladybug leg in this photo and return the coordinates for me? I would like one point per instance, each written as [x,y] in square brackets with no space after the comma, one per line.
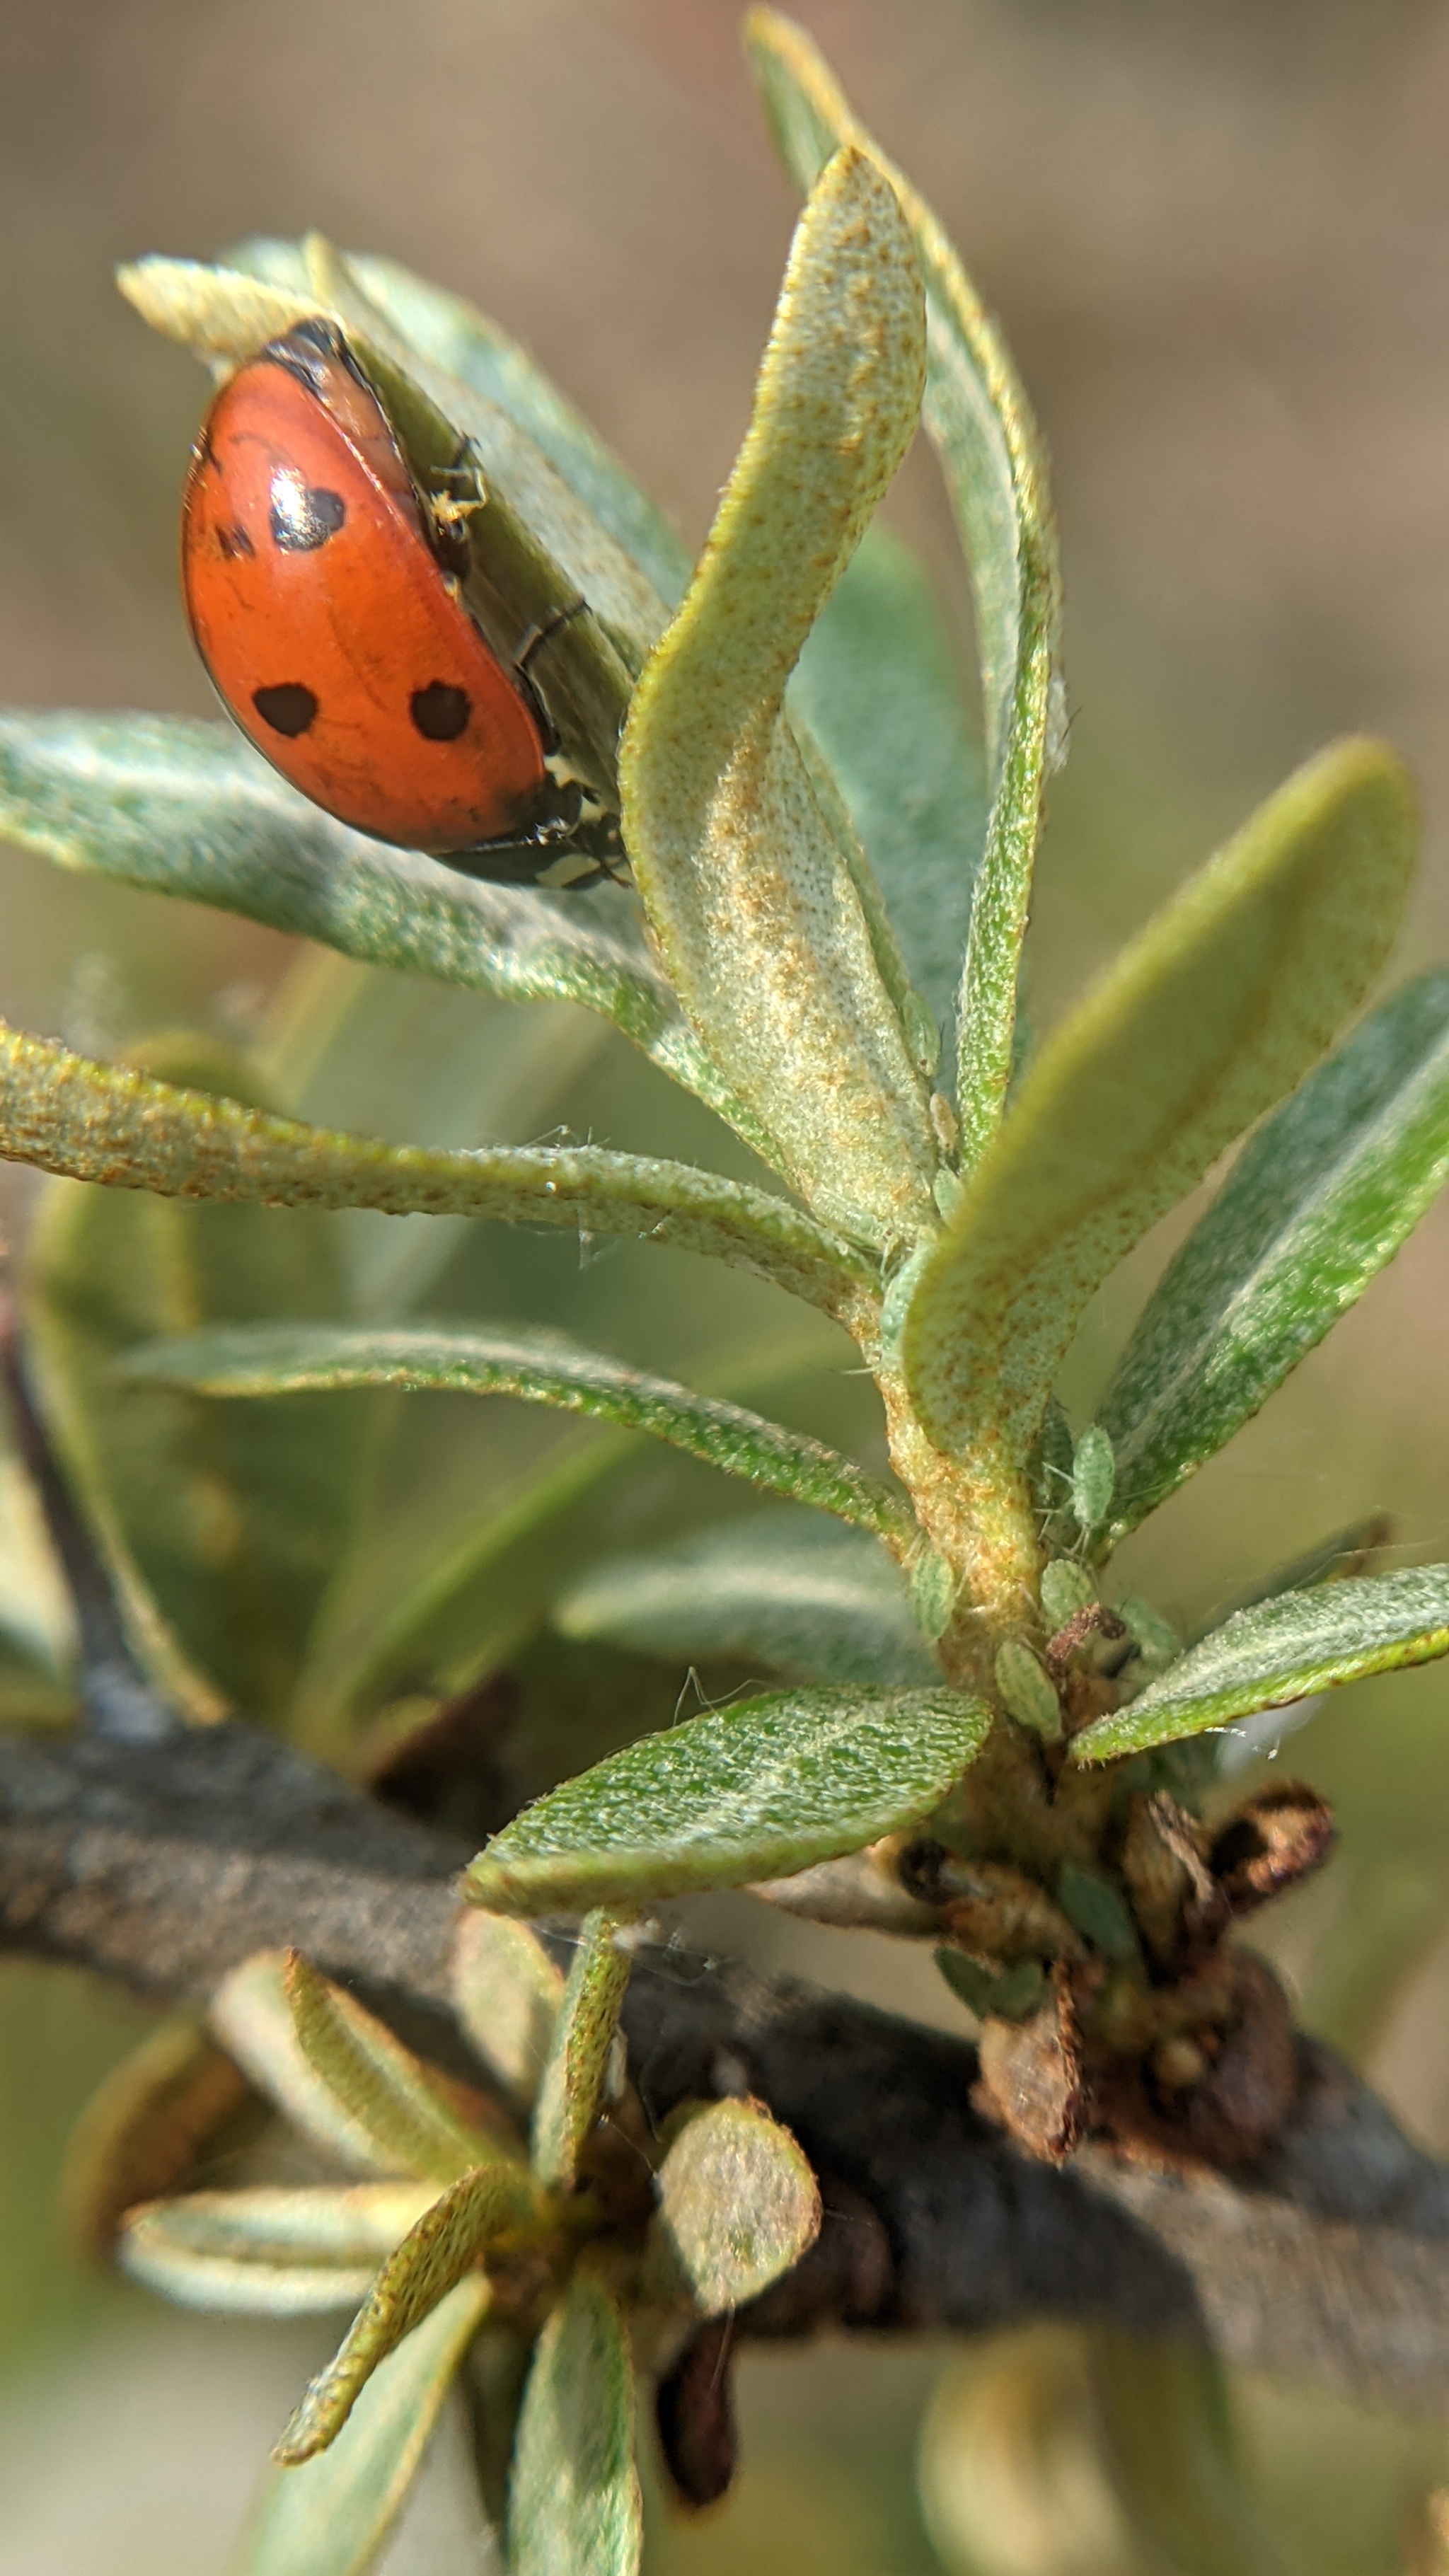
[537,636]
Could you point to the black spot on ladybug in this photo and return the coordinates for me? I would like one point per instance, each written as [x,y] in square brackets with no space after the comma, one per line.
[440,712]
[303,516]
[232,542]
[288,708]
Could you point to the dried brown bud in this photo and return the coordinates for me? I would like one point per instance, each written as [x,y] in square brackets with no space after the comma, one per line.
[1242,2106]
[1269,1843]
[1031,2076]
[998,1913]
[695,2409]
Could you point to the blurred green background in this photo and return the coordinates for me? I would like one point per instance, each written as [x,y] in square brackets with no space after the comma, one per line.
[1216,231]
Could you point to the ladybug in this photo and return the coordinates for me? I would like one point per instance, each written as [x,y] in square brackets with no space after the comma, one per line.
[325,594]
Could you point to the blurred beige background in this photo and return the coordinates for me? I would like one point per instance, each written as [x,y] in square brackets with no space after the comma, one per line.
[1218,236]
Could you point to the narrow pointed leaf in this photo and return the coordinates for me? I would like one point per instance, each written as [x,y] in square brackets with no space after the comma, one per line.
[541,1368]
[269,2252]
[738,2206]
[1320,1200]
[574,2506]
[822,1604]
[751,1792]
[483,2209]
[330,2516]
[147,2127]
[251,2017]
[1284,1650]
[575,2075]
[506,1994]
[1215,1011]
[99,1122]
[1346,1551]
[754,908]
[978,417]
[223,1535]
[881,691]
[188,809]
[377,2081]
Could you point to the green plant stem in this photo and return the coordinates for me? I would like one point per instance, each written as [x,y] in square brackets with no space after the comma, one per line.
[977,1514]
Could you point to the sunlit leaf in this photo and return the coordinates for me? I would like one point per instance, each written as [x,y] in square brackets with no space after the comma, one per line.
[448,2242]
[269,2252]
[754,908]
[506,1993]
[251,2017]
[977,415]
[575,2074]
[101,1122]
[1319,1201]
[820,1603]
[377,2081]
[189,809]
[880,688]
[738,2206]
[751,1792]
[542,1368]
[1285,1649]
[231,1528]
[330,2515]
[1215,1011]
[574,2506]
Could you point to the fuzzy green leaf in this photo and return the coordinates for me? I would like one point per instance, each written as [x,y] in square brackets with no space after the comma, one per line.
[250,2015]
[574,2506]
[754,908]
[1319,1201]
[269,2252]
[1215,1011]
[223,1536]
[819,1603]
[978,417]
[378,2082]
[755,1791]
[881,691]
[330,2516]
[738,2206]
[448,2242]
[541,1368]
[1284,1650]
[506,1993]
[576,2071]
[188,809]
[99,1122]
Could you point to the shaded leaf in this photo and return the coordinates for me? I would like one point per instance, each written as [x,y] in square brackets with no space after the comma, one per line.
[378,2082]
[752,1792]
[977,415]
[738,2206]
[251,2017]
[394,1056]
[1215,1011]
[542,1368]
[329,2516]
[575,2074]
[1347,1551]
[574,2506]
[879,687]
[269,2253]
[821,1603]
[754,908]
[143,2130]
[231,1529]
[1283,1650]
[1320,1199]
[448,2241]
[189,809]
[37,1629]
[506,1993]
[101,1122]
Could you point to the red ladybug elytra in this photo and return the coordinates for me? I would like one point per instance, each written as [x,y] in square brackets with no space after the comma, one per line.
[323,596]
